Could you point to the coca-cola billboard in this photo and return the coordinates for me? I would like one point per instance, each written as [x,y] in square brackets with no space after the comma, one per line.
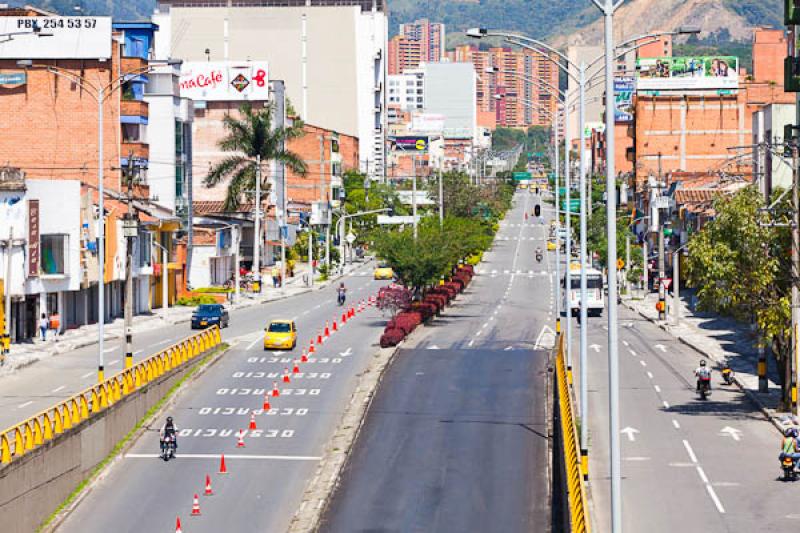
[225,80]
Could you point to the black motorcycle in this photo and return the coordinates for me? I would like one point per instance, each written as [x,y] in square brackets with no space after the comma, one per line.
[704,388]
[539,257]
[340,298]
[168,446]
[789,471]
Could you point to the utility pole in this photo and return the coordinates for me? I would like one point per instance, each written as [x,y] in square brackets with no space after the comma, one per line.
[662,308]
[323,193]
[6,341]
[441,199]
[627,261]
[257,227]
[645,273]
[130,235]
[414,194]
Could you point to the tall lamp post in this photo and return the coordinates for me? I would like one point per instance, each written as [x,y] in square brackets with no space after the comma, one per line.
[100,92]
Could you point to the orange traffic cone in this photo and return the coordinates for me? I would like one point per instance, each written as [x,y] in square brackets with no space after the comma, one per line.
[208,491]
[295,368]
[352,312]
[253,421]
[304,357]
[266,406]
[319,337]
[327,329]
[311,348]
[222,468]
[196,506]
[275,391]
[286,378]
[335,327]
[240,439]
[178,525]
[344,318]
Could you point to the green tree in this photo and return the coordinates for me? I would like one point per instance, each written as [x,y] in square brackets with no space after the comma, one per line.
[741,269]
[248,137]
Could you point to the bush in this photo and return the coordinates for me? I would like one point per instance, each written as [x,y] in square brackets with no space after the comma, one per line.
[391,337]
[426,310]
[194,301]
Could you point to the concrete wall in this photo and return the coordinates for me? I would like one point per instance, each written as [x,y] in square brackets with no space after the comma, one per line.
[33,486]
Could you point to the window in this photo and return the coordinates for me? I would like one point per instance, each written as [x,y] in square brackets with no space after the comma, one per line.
[335,146]
[179,179]
[54,251]
[145,248]
[178,137]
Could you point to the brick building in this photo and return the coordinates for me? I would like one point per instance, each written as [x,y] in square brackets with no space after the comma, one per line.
[418,42]
[524,103]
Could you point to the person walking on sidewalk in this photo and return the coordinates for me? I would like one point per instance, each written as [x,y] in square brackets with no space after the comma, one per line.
[55,324]
[44,324]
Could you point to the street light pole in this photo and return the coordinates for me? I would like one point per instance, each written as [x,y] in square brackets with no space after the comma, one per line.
[558,226]
[257,226]
[584,314]
[101,240]
[567,240]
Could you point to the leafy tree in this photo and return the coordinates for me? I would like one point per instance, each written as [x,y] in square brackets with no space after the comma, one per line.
[248,137]
[741,269]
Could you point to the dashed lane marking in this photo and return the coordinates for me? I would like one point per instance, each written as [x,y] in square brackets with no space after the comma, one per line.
[676,424]
[23,405]
[62,387]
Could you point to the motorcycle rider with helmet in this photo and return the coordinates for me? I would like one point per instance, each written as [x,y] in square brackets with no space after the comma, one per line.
[703,373]
[168,430]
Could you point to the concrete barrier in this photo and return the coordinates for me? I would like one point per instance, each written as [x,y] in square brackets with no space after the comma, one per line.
[47,456]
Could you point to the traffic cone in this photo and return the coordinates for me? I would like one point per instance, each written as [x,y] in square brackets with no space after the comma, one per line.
[208,491]
[304,357]
[196,506]
[295,368]
[319,337]
[253,421]
[352,312]
[222,468]
[327,329]
[344,318]
[240,439]
[311,348]
[178,525]
[266,406]
[275,391]
[286,378]
[335,327]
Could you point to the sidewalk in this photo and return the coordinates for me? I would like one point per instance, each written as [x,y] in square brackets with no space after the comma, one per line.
[28,353]
[722,340]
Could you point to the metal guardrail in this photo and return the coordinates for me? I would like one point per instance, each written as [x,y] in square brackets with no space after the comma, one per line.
[44,426]
[576,489]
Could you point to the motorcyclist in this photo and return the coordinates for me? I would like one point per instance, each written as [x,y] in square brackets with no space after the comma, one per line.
[703,373]
[789,445]
[168,430]
[341,293]
[538,254]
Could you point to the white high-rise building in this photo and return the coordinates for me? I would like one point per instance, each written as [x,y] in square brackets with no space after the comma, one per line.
[331,56]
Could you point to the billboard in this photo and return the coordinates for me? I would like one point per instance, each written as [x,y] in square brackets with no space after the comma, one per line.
[427,122]
[411,143]
[225,80]
[62,38]
[687,73]
[623,98]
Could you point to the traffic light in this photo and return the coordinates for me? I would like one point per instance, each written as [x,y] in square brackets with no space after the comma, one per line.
[537,210]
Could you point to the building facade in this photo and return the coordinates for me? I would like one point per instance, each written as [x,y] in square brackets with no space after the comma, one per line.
[418,42]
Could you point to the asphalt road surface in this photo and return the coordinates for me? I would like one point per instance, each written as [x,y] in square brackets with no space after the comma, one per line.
[457,436]
[687,464]
[267,477]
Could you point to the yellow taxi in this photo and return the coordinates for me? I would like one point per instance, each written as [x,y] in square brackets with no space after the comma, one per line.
[383,271]
[280,335]
[551,245]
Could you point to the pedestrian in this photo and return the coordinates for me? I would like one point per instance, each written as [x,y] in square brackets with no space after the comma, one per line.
[55,324]
[43,325]
[275,274]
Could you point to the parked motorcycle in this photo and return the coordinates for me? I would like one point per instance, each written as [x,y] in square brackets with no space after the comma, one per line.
[168,447]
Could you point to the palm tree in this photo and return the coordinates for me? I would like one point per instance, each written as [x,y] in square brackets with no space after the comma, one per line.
[248,137]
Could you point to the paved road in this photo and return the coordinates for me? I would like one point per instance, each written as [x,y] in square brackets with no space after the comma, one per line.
[268,476]
[457,438]
[691,465]
[32,389]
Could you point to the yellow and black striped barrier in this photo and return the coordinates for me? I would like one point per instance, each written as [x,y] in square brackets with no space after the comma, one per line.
[577,497]
[29,434]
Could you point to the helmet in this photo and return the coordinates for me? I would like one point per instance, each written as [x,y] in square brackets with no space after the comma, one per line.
[703,362]
[169,420]
[790,432]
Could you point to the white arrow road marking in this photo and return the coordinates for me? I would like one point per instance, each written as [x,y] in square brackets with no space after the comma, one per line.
[595,347]
[508,348]
[434,347]
[630,432]
[545,342]
[733,433]
[660,347]
[347,352]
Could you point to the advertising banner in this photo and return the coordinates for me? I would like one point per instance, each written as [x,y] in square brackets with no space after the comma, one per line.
[687,73]
[34,250]
[623,97]
[62,38]
[225,80]
[427,122]
[411,143]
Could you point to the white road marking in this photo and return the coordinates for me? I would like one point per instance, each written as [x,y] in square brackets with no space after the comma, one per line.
[642,362]
[86,375]
[689,450]
[625,342]
[658,389]
[702,474]
[661,347]
[26,404]
[114,362]
[137,352]
[159,343]
[62,387]
[250,346]
[713,495]
[733,433]
[305,312]
[630,432]
[632,353]
[216,456]
[109,350]
[665,403]
[649,374]
[676,424]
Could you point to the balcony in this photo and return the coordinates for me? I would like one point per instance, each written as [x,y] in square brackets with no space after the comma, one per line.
[134,108]
[140,150]
[132,64]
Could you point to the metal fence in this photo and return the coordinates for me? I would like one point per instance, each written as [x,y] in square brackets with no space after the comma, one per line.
[44,426]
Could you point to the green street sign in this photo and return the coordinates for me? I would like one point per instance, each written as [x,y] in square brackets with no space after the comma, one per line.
[574,205]
[519,176]
[667,232]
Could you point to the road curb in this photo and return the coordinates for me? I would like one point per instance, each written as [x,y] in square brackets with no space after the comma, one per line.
[775,421]
[101,475]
